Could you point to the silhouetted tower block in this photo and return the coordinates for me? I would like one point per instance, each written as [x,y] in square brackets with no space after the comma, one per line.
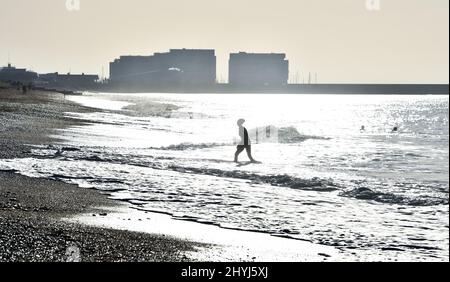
[178,67]
[250,69]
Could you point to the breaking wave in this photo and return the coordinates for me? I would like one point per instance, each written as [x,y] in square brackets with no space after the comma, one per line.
[285,135]
[364,193]
[359,188]
[291,135]
[314,184]
[192,146]
[273,134]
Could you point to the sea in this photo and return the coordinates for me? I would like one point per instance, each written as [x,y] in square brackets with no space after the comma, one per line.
[331,169]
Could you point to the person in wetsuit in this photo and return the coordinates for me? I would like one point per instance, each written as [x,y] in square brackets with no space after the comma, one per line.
[244,143]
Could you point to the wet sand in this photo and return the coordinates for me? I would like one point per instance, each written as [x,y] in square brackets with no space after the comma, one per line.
[31,209]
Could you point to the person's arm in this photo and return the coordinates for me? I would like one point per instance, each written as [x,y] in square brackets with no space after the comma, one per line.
[246,139]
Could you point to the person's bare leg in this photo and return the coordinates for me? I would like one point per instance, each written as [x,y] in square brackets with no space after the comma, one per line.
[249,153]
[238,151]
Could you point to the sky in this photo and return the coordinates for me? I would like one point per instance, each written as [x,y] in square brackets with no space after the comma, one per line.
[343,41]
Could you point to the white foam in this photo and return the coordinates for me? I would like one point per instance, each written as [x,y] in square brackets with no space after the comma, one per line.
[228,245]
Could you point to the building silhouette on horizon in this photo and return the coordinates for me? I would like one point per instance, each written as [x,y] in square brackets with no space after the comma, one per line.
[12,74]
[258,69]
[68,81]
[189,68]
[194,71]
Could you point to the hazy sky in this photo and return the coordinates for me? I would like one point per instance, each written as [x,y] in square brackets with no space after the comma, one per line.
[406,41]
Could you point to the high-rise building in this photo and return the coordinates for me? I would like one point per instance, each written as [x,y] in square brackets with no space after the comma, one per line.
[252,69]
[178,67]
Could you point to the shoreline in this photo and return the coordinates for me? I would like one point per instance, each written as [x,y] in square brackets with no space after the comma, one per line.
[112,218]
[31,229]
[224,244]
[59,217]
[31,209]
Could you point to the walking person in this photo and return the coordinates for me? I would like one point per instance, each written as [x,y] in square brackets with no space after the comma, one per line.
[244,144]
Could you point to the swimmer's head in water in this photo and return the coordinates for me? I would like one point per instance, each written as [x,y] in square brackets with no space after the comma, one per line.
[240,122]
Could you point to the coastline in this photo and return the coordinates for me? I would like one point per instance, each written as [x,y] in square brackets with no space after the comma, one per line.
[45,220]
[224,244]
[31,209]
